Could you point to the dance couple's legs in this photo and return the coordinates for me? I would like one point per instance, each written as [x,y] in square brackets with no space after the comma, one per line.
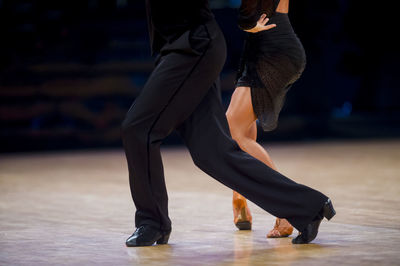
[243,128]
[181,93]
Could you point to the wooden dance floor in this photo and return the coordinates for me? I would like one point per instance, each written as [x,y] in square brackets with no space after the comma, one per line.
[75,208]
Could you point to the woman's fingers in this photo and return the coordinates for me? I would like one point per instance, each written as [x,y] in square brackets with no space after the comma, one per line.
[268,27]
[264,21]
[263,16]
[261,25]
[261,28]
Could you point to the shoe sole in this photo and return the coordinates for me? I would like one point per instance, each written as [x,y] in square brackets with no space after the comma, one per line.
[281,236]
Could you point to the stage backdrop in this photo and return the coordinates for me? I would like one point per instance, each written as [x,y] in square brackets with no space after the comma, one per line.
[69,71]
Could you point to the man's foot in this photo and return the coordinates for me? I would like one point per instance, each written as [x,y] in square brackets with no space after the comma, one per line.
[241,213]
[311,230]
[146,235]
[282,228]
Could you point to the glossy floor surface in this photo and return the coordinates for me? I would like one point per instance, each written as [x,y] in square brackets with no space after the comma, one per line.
[74,208]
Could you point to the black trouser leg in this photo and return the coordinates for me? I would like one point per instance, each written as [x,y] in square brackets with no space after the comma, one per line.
[206,134]
[187,69]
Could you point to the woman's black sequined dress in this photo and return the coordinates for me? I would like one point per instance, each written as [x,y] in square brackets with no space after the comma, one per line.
[272,60]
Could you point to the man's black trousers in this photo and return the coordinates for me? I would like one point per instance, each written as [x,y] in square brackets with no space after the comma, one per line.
[182,93]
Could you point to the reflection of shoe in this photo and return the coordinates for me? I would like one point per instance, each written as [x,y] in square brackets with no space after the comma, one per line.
[282,228]
[241,213]
[311,230]
[146,235]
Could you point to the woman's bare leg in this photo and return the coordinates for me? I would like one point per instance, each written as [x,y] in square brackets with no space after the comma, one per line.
[243,128]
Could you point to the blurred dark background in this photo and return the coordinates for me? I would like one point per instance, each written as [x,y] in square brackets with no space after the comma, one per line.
[69,70]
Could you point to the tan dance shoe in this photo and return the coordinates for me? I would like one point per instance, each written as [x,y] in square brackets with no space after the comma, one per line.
[241,213]
[282,228]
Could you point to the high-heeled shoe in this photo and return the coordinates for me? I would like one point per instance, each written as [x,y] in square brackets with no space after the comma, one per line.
[280,229]
[147,235]
[241,214]
[311,230]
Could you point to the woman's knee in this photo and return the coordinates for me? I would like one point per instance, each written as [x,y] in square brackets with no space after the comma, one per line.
[235,127]
[251,132]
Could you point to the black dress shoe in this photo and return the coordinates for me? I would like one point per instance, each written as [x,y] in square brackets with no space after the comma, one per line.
[311,230]
[147,235]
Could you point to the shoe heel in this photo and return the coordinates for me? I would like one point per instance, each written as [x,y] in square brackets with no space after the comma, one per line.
[329,211]
[163,239]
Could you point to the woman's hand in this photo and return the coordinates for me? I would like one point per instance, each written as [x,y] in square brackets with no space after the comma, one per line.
[261,25]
